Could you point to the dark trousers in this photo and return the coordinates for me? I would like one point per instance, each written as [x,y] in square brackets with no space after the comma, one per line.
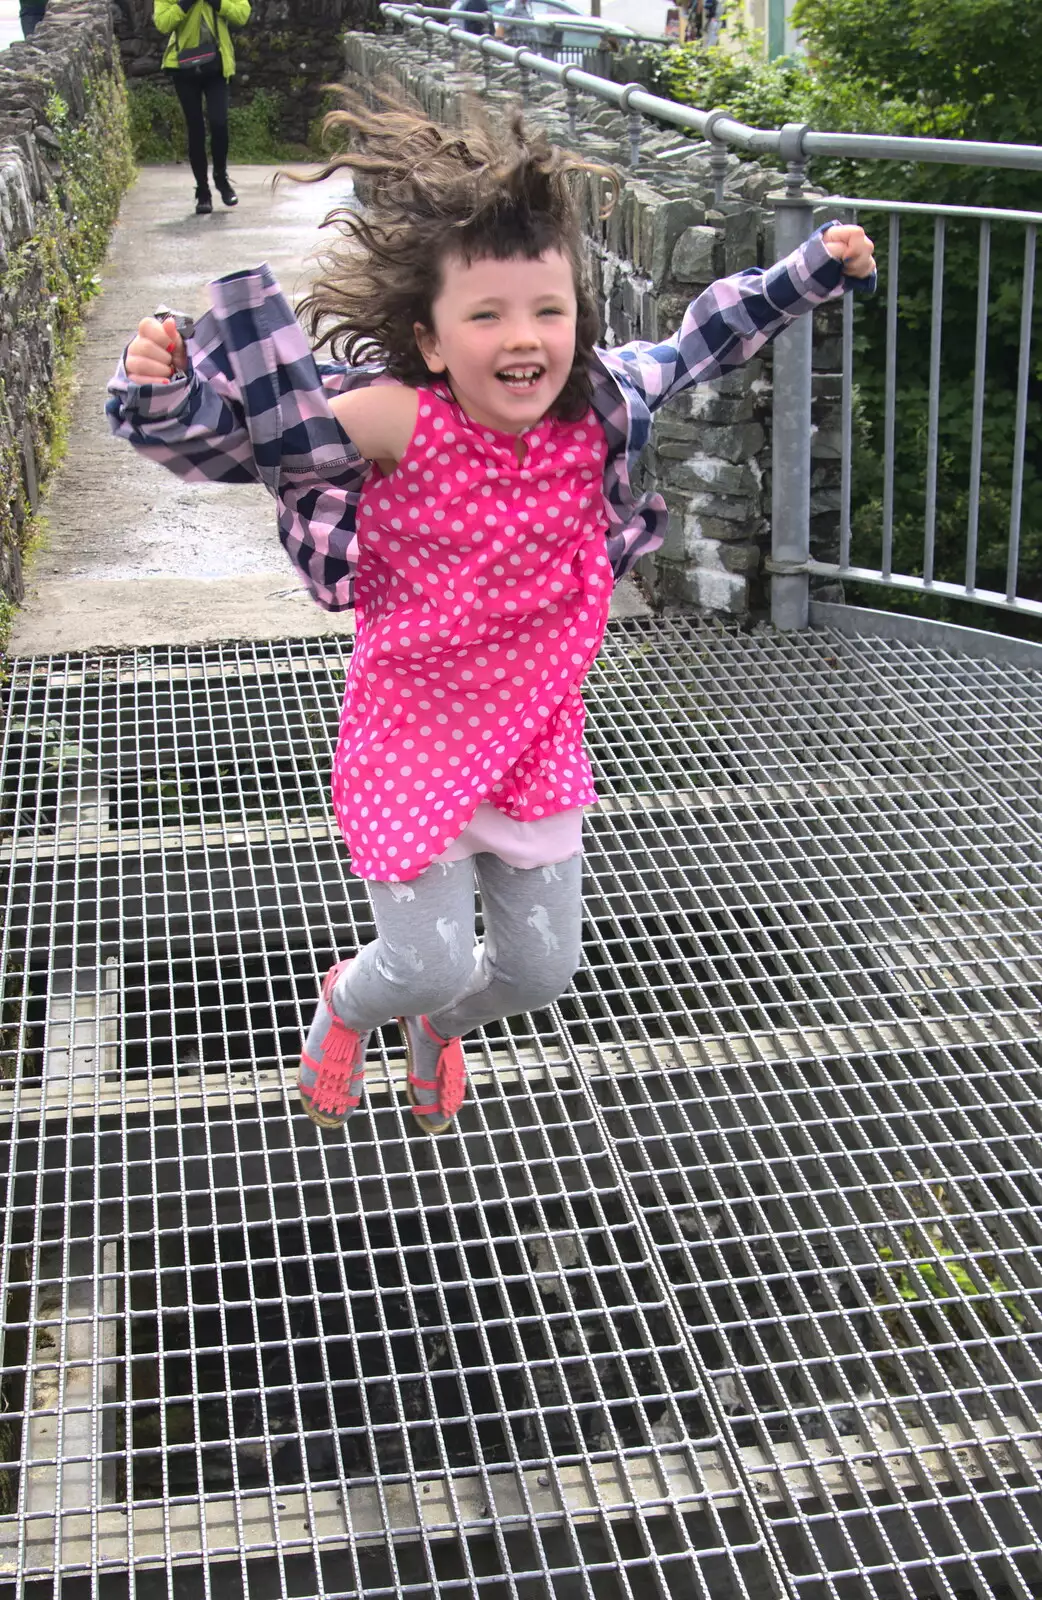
[30,16]
[192,88]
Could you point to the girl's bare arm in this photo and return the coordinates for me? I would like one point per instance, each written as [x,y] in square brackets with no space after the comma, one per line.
[379,421]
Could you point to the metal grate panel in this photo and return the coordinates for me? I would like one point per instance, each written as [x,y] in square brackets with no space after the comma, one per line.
[729,1283]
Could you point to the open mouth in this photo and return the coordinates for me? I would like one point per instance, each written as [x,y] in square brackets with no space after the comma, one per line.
[520,378]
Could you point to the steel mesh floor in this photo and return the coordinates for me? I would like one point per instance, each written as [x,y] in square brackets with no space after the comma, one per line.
[729,1283]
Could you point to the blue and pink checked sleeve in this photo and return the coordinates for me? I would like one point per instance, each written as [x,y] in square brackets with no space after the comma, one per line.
[254,406]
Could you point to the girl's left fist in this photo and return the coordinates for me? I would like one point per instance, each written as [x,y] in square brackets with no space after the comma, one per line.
[851,245]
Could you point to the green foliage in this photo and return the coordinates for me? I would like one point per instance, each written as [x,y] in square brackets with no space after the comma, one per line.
[938,68]
[157,128]
[943,1280]
[254,136]
[7,614]
[765,94]
[967,68]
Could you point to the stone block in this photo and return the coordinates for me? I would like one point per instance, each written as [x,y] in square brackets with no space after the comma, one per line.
[826,386]
[672,219]
[649,212]
[695,254]
[701,527]
[827,354]
[706,589]
[823,500]
[698,517]
[735,510]
[824,537]
[702,404]
[739,442]
[740,379]
[826,446]
[741,239]
[715,476]
[712,556]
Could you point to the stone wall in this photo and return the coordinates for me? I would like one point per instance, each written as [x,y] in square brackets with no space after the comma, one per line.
[666,241]
[64,164]
[289,47]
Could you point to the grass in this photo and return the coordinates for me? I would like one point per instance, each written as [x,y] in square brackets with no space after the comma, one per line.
[157,129]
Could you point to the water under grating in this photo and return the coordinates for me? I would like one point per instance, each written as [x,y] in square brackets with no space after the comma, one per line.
[729,1282]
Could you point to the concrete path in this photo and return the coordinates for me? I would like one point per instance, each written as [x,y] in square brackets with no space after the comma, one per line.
[135,557]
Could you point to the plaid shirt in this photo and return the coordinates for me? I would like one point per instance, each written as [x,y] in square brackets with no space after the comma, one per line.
[254,406]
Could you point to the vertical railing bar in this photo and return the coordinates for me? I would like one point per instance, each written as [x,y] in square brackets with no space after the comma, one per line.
[1020,428]
[890,412]
[846,431]
[977,440]
[790,410]
[930,531]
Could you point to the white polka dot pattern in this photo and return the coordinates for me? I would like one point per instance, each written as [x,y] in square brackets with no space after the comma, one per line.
[483,590]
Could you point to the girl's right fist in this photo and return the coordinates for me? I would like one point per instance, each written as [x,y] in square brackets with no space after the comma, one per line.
[156,352]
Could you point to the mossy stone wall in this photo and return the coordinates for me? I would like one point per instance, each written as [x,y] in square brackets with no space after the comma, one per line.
[64,165]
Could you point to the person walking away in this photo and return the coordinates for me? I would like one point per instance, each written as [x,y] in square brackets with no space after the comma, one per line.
[465,474]
[514,32]
[30,15]
[475,8]
[200,60]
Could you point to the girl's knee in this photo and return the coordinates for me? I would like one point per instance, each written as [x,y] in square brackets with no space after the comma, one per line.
[427,978]
[547,982]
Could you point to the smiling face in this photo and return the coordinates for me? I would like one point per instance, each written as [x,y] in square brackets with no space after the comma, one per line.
[504,334]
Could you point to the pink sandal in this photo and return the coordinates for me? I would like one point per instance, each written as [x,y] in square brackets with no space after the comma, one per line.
[332,1065]
[450,1080]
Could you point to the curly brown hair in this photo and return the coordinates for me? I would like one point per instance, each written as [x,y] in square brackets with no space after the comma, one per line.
[432,194]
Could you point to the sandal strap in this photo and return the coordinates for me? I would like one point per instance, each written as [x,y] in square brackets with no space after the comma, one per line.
[431,1033]
[451,1077]
[341,1067]
[330,981]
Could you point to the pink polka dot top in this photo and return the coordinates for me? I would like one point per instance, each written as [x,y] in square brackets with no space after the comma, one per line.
[482,595]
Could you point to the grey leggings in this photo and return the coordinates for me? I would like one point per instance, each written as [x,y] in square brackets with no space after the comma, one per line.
[424,962]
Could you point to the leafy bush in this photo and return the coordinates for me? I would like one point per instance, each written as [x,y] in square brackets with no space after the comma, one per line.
[158,128]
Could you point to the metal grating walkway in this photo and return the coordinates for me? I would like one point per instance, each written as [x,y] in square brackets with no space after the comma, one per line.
[729,1284]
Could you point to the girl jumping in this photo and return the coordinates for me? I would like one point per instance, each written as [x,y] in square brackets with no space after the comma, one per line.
[462,475]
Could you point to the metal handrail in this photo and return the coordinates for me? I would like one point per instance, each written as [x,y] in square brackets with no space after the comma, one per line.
[795,142]
[591,25]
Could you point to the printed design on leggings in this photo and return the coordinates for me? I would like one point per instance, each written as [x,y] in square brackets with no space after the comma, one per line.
[448,933]
[539,920]
[405,955]
[402,891]
[551,875]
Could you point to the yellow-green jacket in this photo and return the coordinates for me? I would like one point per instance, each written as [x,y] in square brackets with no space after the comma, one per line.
[183,27]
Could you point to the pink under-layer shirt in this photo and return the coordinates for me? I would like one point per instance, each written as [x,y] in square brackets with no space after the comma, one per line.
[482,594]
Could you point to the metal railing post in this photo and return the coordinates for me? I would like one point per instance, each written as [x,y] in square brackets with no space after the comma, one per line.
[634,121]
[718,155]
[571,100]
[791,405]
